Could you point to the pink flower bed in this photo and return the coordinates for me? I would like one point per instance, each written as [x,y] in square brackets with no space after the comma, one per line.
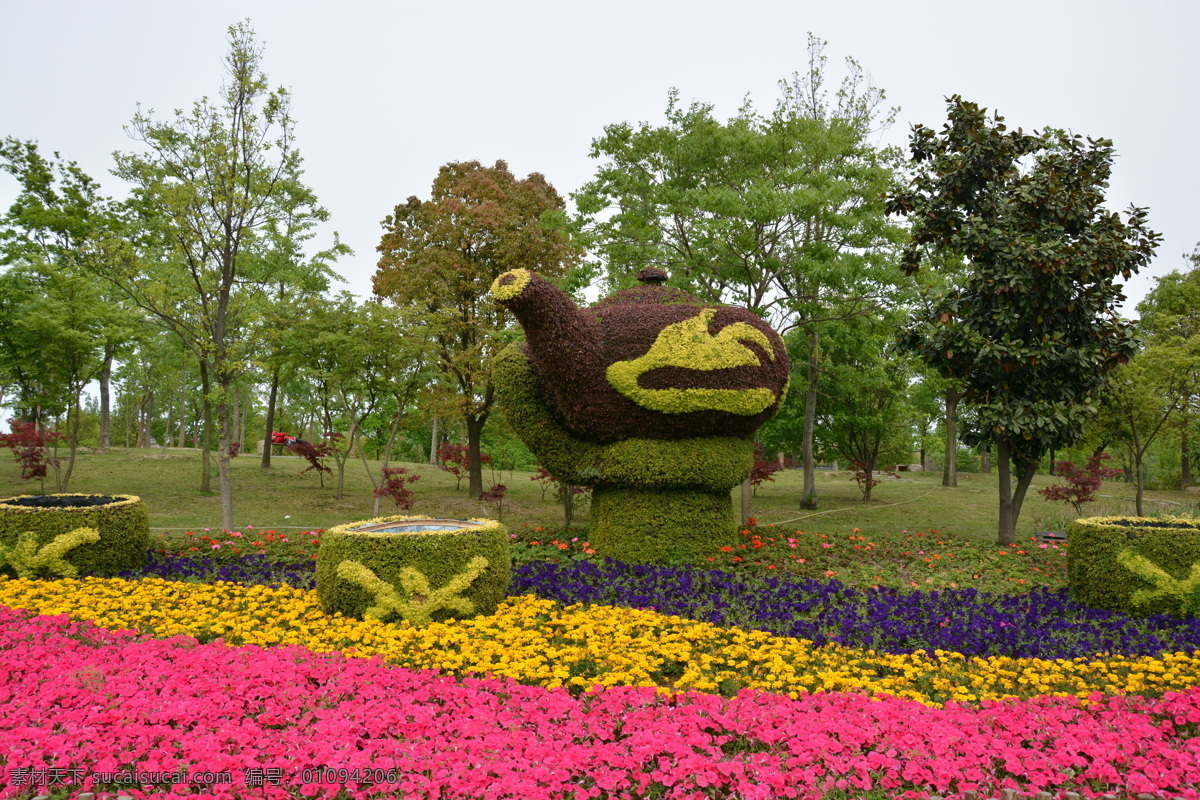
[79,697]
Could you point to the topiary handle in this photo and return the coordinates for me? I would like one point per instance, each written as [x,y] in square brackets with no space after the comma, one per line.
[713,463]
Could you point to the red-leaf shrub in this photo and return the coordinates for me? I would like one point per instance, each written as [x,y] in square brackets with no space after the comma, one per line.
[544,479]
[29,447]
[313,453]
[234,449]
[495,496]
[763,470]
[456,459]
[396,481]
[865,479]
[1082,482]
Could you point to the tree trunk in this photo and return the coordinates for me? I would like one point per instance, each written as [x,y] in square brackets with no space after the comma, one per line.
[985,462]
[1011,498]
[1185,461]
[73,428]
[950,466]
[808,499]
[474,430]
[224,439]
[568,498]
[433,444]
[127,414]
[206,429]
[747,502]
[1008,523]
[105,389]
[1139,472]
[269,427]
[182,418]
[244,406]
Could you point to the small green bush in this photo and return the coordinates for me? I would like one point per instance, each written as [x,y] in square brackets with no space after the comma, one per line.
[407,573]
[1098,546]
[123,526]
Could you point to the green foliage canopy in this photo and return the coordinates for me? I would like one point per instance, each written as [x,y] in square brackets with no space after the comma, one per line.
[1031,329]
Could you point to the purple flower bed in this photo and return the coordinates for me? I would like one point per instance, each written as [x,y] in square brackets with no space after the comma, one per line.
[1038,624]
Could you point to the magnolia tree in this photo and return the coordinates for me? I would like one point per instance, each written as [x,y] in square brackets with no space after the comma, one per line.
[1031,329]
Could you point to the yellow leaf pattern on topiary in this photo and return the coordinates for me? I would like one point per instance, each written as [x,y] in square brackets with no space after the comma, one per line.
[1186,591]
[689,345]
[27,559]
[420,601]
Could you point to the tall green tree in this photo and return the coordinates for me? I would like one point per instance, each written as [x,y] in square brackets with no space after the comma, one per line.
[1031,329]
[1170,315]
[209,184]
[60,328]
[1144,396]
[863,415]
[781,213]
[438,258]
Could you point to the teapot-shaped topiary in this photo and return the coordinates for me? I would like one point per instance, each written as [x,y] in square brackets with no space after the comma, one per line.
[647,362]
[650,398]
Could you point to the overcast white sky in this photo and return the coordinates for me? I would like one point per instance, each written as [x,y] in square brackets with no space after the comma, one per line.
[386,92]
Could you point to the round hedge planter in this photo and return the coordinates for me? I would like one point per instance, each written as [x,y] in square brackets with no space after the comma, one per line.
[120,519]
[415,568]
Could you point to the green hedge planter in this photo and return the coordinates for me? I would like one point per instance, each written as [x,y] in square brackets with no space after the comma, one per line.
[1133,565]
[30,525]
[414,568]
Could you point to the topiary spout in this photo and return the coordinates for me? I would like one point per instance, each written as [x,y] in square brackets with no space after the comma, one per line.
[562,340]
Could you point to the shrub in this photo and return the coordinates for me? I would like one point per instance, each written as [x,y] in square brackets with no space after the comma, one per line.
[456,459]
[28,446]
[495,496]
[396,481]
[413,568]
[653,501]
[1109,561]
[544,479]
[1082,482]
[315,455]
[763,469]
[120,520]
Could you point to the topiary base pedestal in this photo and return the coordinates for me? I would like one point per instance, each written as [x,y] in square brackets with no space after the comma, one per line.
[659,526]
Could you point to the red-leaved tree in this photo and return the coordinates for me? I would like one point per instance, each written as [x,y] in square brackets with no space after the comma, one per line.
[396,481]
[455,459]
[495,496]
[315,455]
[30,448]
[763,469]
[1081,482]
[544,479]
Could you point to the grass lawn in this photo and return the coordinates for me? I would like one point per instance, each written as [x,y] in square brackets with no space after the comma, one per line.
[281,498]
[862,652]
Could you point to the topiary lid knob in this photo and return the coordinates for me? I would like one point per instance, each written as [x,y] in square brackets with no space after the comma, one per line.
[652,276]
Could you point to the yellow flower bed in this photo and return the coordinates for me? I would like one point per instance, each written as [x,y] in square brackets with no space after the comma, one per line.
[537,641]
